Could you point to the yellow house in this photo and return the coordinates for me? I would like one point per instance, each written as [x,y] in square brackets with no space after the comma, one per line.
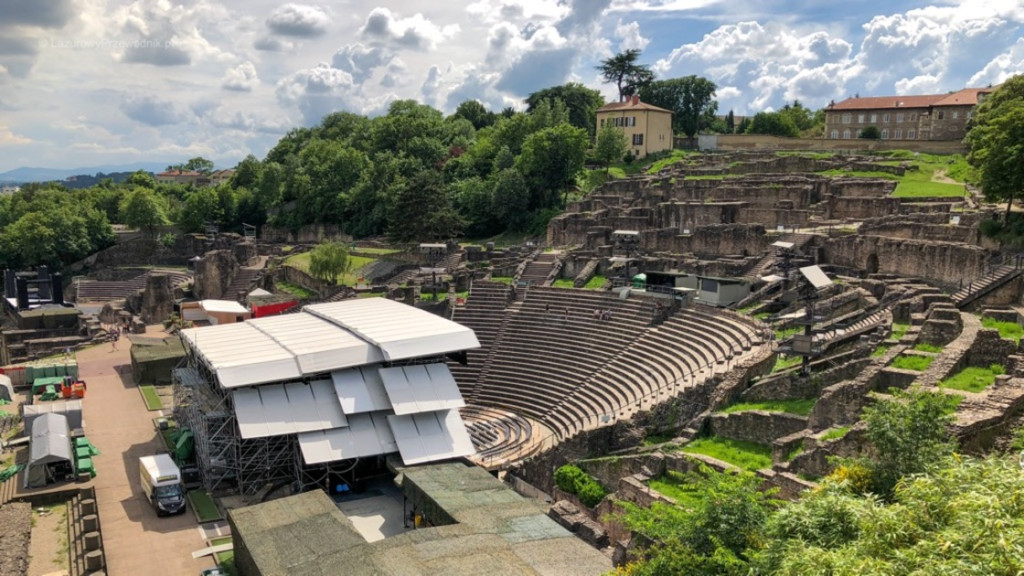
[647,129]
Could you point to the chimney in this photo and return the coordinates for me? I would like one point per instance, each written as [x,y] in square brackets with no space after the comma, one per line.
[636,99]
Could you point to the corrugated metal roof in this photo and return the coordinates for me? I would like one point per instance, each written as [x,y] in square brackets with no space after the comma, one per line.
[318,345]
[242,355]
[421,388]
[360,390]
[401,331]
[366,435]
[280,409]
[430,436]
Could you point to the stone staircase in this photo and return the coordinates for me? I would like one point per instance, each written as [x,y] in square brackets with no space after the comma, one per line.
[997,277]
[536,272]
[766,264]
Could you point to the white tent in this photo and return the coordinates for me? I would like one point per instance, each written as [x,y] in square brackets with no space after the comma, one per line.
[6,388]
[49,451]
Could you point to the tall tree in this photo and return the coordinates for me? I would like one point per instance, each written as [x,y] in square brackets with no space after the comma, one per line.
[690,98]
[773,124]
[996,140]
[476,113]
[611,145]
[623,70]
[144,210]
[582,103]
[550,161]
[328,261]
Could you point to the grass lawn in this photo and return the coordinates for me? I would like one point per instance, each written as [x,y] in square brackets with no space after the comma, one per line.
[880,351]
[801,406]
[899,330]
[226,558]
[783,333]
[595,283]
[973,378]
[151,398]
[922,347]
[746,455]
[502,279]
[350,278]
[563,283]
[918,189]
[1009,330]
[916,363]
[662,163]
[834,433]
[378,251]
[294,290]
[203,507]
[782,362]
[685,489]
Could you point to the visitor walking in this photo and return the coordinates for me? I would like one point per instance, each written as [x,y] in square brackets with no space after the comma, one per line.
[115,334]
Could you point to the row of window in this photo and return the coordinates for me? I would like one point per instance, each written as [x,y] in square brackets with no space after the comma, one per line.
[621,121]
[897,134]
[873,117]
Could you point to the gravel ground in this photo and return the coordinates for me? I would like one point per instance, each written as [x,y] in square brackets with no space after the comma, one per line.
[48,552]
[15,531]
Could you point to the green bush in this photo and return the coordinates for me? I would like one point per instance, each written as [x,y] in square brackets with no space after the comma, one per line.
[571,479]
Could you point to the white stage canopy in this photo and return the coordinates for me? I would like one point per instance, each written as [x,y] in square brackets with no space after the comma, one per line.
[431,436]
[366,435]
[242,355]
[421,388]
[401,331]
[318,345]
[280,409]
[360,390]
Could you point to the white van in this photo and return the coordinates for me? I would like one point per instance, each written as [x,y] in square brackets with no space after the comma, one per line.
[161,483]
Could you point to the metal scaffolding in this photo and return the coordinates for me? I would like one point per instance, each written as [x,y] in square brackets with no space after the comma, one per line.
[225,459]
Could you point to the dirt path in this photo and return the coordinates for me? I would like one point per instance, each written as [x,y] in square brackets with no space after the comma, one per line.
[134,539]
[940,176]
[48,549]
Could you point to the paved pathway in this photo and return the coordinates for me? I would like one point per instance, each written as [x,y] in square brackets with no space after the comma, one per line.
[117,422]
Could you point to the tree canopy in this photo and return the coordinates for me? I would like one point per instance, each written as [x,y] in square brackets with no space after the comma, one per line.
[690,98]
[581,102]
[996,140]
[623,70]
[773,124]
[328,261]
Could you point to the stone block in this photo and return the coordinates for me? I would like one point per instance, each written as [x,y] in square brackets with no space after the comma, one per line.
[91,540]
[94,560]
[90,523]
[87,506]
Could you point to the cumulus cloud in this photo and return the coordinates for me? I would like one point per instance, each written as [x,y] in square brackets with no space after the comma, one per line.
[41,13]
[298,20]
[318,91]
[241,78]
[629,36]
[360,61]
[151,110]
[9,138]
[161,34]
[384,27]
[272,44]
[1001,66]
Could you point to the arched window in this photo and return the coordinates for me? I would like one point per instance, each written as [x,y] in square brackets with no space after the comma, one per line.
[885,134]
[911,134]
[834,135]
[846,134]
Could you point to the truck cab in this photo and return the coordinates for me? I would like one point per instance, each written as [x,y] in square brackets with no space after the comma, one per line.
[161,483]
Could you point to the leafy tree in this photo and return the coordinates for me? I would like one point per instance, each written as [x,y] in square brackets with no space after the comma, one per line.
[550,161]
[582,103]
[197,164]
[247,173]
[730,123]
[996,140]
[773,124]
[476,113]
[611,145]
[141,178]
[144,210]
[870,133]
[421,211]
[202,205]
[909,433]
[328,261]
[690,98]
[511,199]
[623,71]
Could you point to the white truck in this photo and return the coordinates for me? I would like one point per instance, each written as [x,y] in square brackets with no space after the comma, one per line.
[161,483]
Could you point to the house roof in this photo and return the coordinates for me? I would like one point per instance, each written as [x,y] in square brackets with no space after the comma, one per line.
[631,105]
[965,97]
[179,173]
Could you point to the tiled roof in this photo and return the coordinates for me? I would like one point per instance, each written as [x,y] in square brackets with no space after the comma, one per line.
[965,97]
[629,105]
[178,173]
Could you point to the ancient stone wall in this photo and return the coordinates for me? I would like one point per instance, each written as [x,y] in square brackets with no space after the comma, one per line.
[756,425]
[862,187]
[911,229]
[157,299]
[944,263]
[857,208]
[214,273]
[716,240]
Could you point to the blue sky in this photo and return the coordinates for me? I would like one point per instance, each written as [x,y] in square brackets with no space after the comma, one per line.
[89,82]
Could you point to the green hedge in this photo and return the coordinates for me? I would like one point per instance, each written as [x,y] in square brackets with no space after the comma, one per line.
[571,479]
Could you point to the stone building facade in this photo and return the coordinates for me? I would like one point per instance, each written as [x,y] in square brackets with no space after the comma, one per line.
[646,128]
[928,117]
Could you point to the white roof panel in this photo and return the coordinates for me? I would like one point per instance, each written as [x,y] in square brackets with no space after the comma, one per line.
[401,331]
[318,345]
[360,390]
[430,436]
[280,409]
[224,306]
[366,435]
[421,388]
[816,277]
[241,355]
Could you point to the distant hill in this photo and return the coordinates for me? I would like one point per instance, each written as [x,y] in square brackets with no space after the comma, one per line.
[24,175]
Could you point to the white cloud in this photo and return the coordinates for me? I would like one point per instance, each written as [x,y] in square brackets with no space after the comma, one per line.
[151,110]
[241,78]
[159,33]
[298,20]
[629,36]
[318,91]
[360,61]
[9,138]
[417,32]
[1001,66]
